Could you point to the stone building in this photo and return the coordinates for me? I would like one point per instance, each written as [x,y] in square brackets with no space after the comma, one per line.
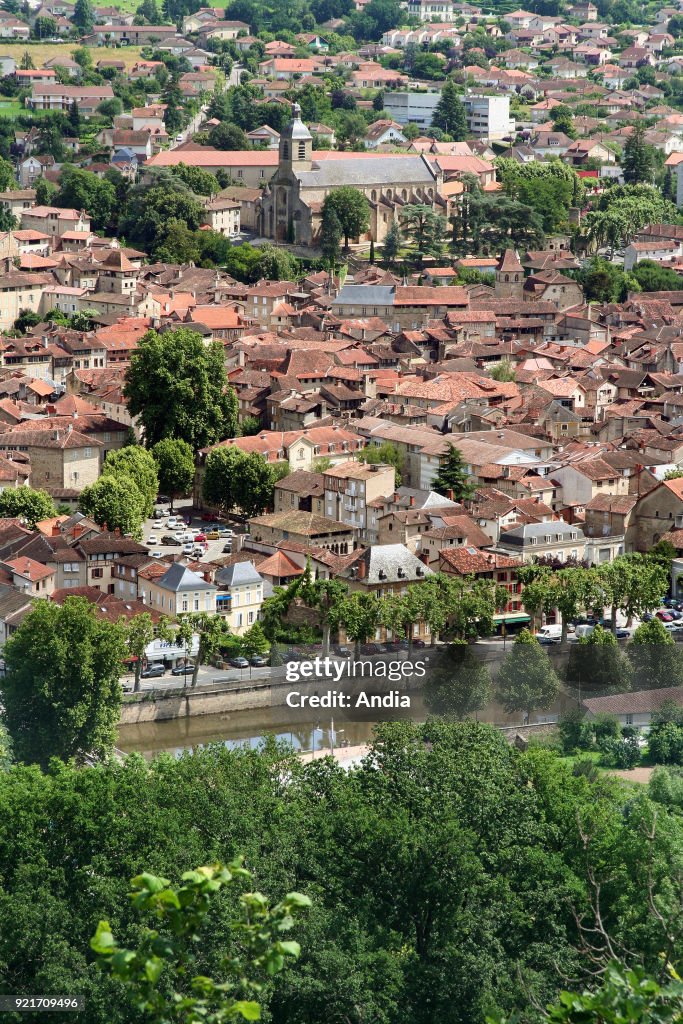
[291,206]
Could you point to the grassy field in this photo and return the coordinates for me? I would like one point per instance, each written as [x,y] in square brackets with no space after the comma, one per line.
[40,52]
[10,108]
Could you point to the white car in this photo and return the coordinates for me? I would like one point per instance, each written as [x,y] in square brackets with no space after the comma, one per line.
[188,549]
[151,540]
[155,554]
[158,526]
[180,535]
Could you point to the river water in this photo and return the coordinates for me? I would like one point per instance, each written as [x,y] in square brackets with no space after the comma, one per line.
[317,733]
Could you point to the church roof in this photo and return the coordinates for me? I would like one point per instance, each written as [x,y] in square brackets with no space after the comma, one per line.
[374,171]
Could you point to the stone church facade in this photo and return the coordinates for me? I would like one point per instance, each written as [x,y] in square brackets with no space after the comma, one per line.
[290,209]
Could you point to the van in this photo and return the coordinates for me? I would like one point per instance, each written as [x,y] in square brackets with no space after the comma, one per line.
[550,634]
[584,629]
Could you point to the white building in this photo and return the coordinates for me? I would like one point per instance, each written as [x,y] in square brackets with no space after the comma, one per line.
[432,10]
[415,107]
[489,116]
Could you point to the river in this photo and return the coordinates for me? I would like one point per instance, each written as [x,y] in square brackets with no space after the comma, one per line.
[249,727]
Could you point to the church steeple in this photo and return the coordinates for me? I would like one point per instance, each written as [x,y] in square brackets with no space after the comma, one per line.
[296,143]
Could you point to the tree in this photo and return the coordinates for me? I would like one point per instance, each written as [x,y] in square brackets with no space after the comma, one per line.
[638,158]
[61,693]
[211,631]
[45,192]
[386,454]
[598,665]
[175,467]
[219,487]
[652,277]
[655,657]
[426,228]
[254,484]
[392,243]
[26,504]
[527,681]
[460,684]
[503,371]
[201,182]
[450,114]
[275,264]
[228,136]
[26,62]
[140,631]
[139,465]
[633,585]
[8,181]
[114,501]
[359,614]
[453,477]
[254,641]
[84,16]
[330,237]
[150,208]
[324,596]
[178,388]
[164,955]
[351,209]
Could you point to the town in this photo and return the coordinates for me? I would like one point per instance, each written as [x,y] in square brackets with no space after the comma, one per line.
[341,338]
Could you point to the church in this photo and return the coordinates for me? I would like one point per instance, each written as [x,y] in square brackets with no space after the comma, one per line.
[291,206]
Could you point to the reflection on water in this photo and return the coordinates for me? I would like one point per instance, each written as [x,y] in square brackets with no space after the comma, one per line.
[248,728]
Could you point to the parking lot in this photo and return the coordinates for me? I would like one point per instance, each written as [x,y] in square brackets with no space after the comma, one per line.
[154,532]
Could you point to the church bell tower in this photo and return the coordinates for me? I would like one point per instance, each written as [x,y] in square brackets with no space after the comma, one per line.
[296,144]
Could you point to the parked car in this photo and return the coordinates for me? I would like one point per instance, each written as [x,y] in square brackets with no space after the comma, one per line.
[213,535]
[153,671]
[675,613]
[181,670]
[227,548]
[188,548]
[419,643]
[238,662]
[209,517]
[162,499]
[200,537]
[155,554]
[292,656]
[158,526]
[170,541]
[664,616]
[258,661]
[158,514]
[151,540]
[224,531]
[372,649]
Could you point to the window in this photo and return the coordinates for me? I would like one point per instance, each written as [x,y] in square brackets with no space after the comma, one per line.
[250,618]
[302,151]
[97,574]
[629,719]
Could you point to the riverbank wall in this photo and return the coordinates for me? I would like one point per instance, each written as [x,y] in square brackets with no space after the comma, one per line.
[252,695]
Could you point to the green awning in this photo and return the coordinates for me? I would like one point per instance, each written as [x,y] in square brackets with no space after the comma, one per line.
[512,617]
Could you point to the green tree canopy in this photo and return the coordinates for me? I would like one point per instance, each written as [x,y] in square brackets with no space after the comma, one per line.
[351,209]
[450,114]
[139,465]
[175,466]
[453,477]
[177,386]
[60,692]
[115,502]
[27,504]
[527,681]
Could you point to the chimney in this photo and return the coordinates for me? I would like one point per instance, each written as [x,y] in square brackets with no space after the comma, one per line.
[412,500]
[55,531]
[77,531]
[450,494]
[361,569]
[117,532]
[423,556]
[206,576]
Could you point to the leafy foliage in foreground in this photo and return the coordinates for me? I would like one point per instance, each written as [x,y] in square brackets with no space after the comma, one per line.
[450,874]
